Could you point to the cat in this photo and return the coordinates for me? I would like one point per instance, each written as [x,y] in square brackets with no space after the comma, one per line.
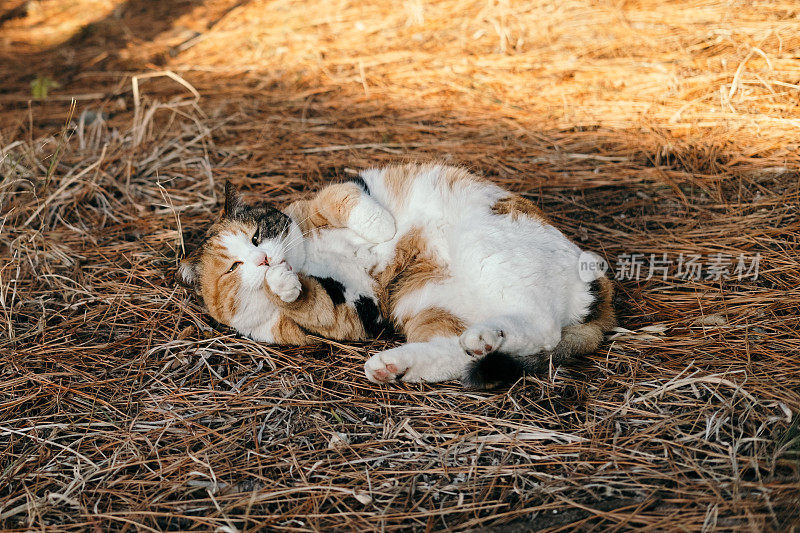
[479,281]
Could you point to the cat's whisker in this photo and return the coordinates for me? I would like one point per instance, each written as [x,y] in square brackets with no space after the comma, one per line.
[300,225]
[297,240]
[293,243]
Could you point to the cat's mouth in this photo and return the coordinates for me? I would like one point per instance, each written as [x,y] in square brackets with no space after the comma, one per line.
[267,262]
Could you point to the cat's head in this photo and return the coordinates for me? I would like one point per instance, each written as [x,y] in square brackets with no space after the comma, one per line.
[228,268]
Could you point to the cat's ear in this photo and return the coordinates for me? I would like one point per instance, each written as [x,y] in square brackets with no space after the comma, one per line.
[187,272]
[233,200]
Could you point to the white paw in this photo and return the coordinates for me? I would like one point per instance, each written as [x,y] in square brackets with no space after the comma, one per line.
[372,222]
[383,254]
[283,282]
[366,255]
[391,365]
[479,340]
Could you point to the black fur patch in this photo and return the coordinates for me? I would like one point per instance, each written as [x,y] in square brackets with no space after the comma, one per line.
[594,307]
[491,371]
[370,316]
[271,222]
[358,180]
[334,289]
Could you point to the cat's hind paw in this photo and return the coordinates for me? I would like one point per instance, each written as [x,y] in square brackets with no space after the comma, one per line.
[481,340]
[283,282]
[386,367]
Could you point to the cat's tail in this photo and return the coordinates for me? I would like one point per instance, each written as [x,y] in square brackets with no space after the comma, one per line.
[498,368]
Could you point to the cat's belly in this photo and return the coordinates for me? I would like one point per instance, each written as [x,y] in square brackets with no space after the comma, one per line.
[498,266]
[495,264]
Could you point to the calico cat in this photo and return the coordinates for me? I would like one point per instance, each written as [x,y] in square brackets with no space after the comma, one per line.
[478,280]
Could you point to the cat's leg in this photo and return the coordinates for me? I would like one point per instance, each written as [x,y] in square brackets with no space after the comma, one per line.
[506,346]
[287,331]
[439,359]
[432,353]
[528,345]
[514,334]
[481,339]
[344,205]
[306,302]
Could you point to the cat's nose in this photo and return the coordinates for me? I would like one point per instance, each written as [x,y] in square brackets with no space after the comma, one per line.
[264,261]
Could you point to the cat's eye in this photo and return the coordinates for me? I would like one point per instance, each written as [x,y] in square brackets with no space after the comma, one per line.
[256,235]
[234,266]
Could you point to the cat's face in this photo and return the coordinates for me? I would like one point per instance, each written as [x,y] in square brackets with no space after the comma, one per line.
[228,269]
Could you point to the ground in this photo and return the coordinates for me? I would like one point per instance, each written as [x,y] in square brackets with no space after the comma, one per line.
[641,127]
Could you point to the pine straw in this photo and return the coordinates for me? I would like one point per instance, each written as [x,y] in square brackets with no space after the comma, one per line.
[654,127]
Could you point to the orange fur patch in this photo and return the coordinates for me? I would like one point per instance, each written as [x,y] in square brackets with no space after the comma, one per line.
[585,338]
[432,322]
[217,287]
[606,319]
[398,179]
[307,218]
[412,268]
[517,206]
[315,312]
[331,207]
[286,331]
[336,201]
[454,176]
[577,340]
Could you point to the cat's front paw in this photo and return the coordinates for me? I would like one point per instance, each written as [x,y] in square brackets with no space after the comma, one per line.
[283,282]
[388,366]
[372,222]
[480,340]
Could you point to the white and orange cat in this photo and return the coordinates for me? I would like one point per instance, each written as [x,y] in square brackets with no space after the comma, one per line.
[480,283]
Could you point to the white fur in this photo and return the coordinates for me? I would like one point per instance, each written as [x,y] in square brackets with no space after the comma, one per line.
[339,253]
[255,314]
[519,277]
[188,273]
[255,317]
